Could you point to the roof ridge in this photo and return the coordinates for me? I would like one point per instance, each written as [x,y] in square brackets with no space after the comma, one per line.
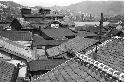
[3,39]
[90,51]
[102,66]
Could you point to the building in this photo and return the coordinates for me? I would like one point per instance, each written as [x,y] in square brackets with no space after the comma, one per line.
[20,37]
[39,67]
[83,68]
[9,72]
[57,34]
[44,11]
[77,44]
[41,45]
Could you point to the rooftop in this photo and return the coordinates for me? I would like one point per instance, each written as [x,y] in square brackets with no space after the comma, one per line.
[85,34]
[6,71]
[45,64]
[83,69]
[17,35]
[75,44]
[58,33]
[76,70]
[41,16]
[38,40]
[112,54]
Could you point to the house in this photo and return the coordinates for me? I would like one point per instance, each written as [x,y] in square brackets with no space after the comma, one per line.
[44,11]
[82,69]
[115,32]
[16,50]
[90,28]
[38,67]
[57,34]
[44,17]
[44,14]
[21,37]
[86,34]
[76,44]
[8,72]
[41,45]
[56,24]
[25,11]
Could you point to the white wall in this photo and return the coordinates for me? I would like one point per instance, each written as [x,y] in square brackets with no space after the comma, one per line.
[4,55]
[90,23]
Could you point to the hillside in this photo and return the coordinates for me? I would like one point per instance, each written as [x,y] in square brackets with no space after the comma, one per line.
[9,10]
[96,7]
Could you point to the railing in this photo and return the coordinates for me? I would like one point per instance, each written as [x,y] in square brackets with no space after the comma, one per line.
[19,49]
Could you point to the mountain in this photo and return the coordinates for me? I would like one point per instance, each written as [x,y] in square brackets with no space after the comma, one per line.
[94,8]
[9,10]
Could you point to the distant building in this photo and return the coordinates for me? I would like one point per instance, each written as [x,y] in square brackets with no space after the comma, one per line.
[25,11]
[44,11]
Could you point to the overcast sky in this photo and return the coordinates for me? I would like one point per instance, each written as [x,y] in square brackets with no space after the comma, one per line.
[48,3]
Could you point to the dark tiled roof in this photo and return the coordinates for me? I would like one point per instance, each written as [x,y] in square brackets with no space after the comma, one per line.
[76,44]
[58,33]
[85,34]
[46,64]
[112,54]
[17,35]
[38,40]
[112,32]
[41,16]
[75,71]
[6,71]
[36,21]
[82,70]
[90,28]
[70,23]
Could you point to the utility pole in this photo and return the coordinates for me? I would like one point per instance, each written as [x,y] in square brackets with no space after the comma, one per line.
[100,33]
[101,26]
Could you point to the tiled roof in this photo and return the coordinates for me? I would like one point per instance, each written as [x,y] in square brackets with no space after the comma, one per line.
[112,32]
[76,44]
[16,49]
[6,71]
[38,40]
[85,34]
[76,70]
[17,35]
[89,28]
[45,64]
[58,33]
[36,21]
[41,16]
[82,70]
[112,54]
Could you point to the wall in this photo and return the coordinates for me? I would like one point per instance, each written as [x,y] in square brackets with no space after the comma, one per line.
[4,55]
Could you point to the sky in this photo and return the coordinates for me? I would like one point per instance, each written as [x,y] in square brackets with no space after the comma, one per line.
[48,3]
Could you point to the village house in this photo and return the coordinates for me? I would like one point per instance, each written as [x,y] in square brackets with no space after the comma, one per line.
[41,45]
[43,14]
[20,37]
